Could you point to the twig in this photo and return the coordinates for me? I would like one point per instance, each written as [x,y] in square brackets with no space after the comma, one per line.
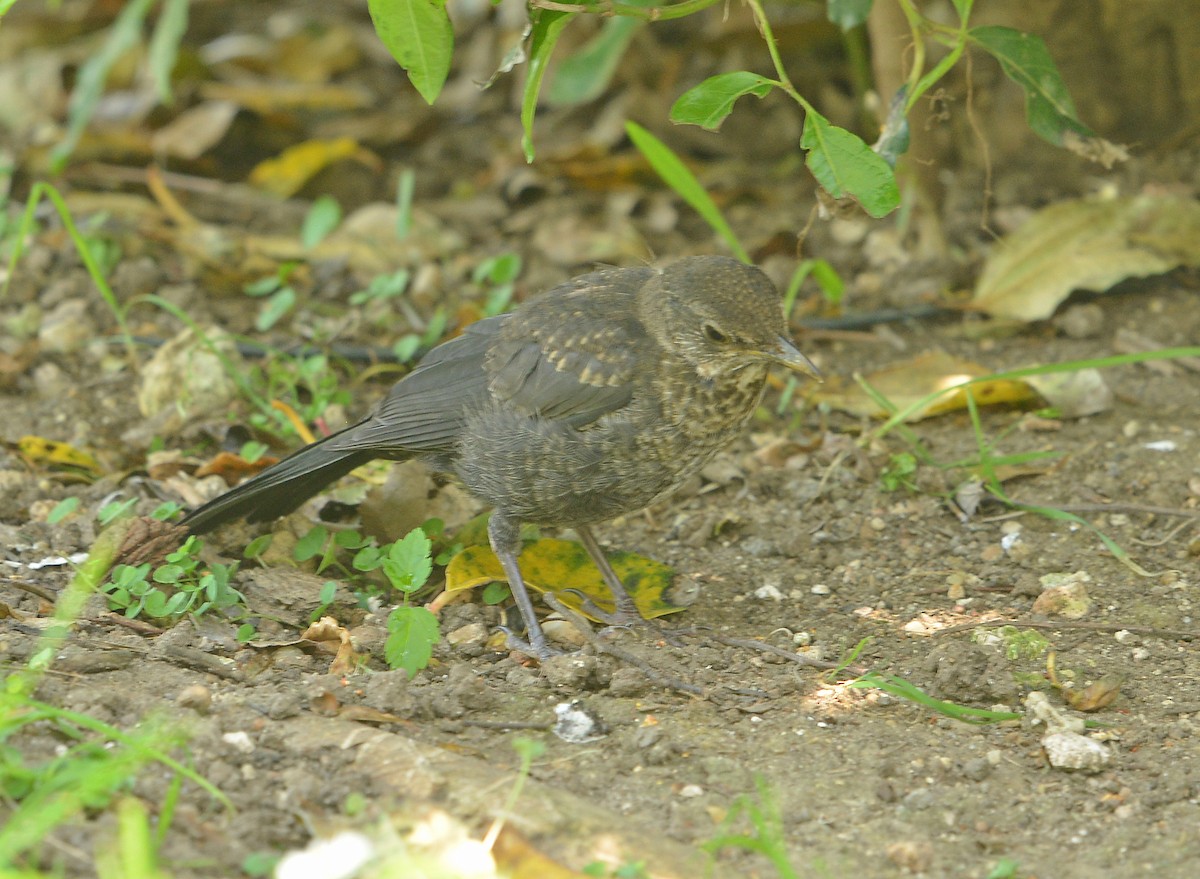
[1179,634]
[799,658]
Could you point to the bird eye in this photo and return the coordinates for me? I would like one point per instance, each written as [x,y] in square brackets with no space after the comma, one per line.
[713,334]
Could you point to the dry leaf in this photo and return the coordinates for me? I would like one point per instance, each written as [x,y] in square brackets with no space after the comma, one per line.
[1087,244]
[333,638]
[1097,695]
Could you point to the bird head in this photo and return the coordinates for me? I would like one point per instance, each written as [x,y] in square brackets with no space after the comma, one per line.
[719,314]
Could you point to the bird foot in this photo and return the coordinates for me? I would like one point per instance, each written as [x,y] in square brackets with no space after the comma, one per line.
[536,647]
[622,616]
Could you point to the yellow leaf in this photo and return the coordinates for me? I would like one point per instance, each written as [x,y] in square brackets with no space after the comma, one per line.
[905,383]
[287,173]
[40,451]
[556,565]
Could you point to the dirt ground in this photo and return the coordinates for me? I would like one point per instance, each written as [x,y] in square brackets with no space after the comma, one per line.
[796,546]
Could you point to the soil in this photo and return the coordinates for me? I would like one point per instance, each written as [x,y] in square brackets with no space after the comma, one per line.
[797,546]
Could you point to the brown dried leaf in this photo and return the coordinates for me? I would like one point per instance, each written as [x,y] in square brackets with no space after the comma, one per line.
[233,468]
[1097,695]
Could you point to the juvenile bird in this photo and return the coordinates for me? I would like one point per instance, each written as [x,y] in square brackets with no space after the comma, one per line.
[590,401]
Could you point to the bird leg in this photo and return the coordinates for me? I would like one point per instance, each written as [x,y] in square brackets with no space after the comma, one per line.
[504,534]
[625,612]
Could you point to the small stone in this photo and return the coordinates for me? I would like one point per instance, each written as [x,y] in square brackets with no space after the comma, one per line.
[691,791]
[1074,752]
[1081,321]
[469,640]
[915,856]
[977,769]
[563,632]
[1126,637]
[577,723]
[821,589]
[628,682]
[573,671]
[240,741]
[769,592]
[1064,595]
[1140,653]
[67,328]
[196,697]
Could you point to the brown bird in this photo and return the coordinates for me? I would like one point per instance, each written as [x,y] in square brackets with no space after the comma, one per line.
[592,400]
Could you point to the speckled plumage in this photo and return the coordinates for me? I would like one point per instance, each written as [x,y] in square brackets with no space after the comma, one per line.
[590,401]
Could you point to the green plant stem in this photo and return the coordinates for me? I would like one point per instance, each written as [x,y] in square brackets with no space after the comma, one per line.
[764,27]
[648,13]
[36,193]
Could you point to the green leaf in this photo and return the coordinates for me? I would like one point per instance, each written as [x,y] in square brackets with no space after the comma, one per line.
[848,14]
[671,169]
[846,167]
[419,36]
[547,25]
[279,304]
[310,544]
[1027,62]
[412,632]
[155,603]
[321,219]
[62,509]
[114,510]
[164,45]
[585,75]
[408,565]
[708,103]
[964,9]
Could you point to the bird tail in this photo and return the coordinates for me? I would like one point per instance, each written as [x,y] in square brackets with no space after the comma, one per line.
[280,488]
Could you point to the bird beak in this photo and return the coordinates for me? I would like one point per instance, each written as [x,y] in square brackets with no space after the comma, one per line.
[787,354]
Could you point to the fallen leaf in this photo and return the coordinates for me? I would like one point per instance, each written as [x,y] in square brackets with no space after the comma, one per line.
[233,467]
[333,638]
[1097,695]
[904,384]
[41,452]
[286,174]
[557,565]
[1087,244]
[1074,394]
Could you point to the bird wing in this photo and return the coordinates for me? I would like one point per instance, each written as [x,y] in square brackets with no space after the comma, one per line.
[575,372]
[425,411]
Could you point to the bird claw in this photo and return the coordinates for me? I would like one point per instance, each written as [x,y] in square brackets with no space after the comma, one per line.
[541,652]
[618,618]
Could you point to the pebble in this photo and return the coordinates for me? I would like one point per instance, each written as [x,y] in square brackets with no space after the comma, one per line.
[575,671]
[915,856]
[196,697]
[469,639]
[240,741]
[577,723]
[67,328]
[627,682]
[769,591]
[1075,752]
